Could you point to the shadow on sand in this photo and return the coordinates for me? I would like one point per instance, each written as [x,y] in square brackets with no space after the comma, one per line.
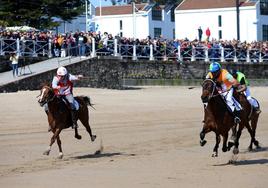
[244,162]
[100,155]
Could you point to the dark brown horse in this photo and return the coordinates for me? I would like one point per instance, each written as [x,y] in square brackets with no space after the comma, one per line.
[219,119]
[251,116]
[59,115]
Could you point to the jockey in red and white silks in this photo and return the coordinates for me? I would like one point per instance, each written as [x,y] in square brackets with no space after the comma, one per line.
[63,86]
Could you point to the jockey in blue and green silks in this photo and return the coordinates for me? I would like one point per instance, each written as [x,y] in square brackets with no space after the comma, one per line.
[241,78]
[226,80]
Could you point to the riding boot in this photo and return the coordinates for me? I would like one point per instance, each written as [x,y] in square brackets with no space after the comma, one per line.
[74,118]
[237,119]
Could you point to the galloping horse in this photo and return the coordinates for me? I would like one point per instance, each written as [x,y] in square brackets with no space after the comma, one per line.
[59,115]
[251,116]
[219,119]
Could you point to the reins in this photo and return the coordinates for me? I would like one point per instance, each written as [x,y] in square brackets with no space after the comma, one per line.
[212,95]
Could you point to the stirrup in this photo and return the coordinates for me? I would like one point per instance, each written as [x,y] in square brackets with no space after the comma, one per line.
[257,110]
[237,120]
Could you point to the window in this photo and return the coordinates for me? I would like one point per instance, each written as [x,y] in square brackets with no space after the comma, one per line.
[157,32]
[121,24]
[220,34]
[219,21]
[157,13]
[264,7]
[265,32]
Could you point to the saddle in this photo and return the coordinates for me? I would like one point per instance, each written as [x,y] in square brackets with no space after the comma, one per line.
[66,102]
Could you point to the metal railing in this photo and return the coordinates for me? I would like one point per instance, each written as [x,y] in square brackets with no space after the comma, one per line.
[164,51]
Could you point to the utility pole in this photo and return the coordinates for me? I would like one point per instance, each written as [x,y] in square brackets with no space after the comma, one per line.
[134,20]
[237,19]
[86,15]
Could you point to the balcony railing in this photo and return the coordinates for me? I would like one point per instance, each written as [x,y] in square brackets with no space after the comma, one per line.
[163,52]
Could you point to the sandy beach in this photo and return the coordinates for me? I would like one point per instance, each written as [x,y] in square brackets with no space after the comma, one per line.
[149,136]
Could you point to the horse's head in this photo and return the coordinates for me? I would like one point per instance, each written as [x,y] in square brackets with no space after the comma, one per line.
[46,95]
[208,90]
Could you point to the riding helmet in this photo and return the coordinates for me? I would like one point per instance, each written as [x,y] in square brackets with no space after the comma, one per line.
[214,67]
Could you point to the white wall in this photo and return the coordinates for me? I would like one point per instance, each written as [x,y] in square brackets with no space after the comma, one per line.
[111,24]
[187,23]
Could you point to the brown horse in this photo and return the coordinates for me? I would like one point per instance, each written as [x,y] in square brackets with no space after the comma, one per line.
[59,115]
[219,119]
[251,116]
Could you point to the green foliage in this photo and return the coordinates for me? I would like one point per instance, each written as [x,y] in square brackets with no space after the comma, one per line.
[39,13]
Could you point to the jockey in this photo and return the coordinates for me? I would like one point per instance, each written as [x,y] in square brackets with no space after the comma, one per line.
[244,87]
[63,86]
[227,82]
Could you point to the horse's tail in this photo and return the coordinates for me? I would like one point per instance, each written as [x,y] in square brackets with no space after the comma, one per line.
[88,101]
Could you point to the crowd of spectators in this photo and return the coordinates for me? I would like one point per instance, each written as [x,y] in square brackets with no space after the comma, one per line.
[80,44]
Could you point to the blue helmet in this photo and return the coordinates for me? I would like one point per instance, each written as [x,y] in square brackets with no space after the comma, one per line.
[214,67]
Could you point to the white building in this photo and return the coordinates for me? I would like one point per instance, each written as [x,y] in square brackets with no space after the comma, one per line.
[147,20]
[220,16]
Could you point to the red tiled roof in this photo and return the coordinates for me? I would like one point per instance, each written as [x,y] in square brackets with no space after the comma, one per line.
[117,10]
[210,4]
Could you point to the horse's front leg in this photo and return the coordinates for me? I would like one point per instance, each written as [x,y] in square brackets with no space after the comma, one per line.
[60,148]
[202,136]
[224,142]
[53,138]
[238,134]
[215,150]
[76,135]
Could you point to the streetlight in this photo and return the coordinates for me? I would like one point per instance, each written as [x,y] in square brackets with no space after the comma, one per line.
[237,19]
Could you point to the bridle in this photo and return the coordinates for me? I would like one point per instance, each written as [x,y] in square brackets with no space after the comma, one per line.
[46,99]
[211,95]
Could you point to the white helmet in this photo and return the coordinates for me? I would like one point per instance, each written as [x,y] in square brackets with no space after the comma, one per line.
[62,71]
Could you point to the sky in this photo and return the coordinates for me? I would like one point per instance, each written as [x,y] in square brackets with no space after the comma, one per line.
[96,3]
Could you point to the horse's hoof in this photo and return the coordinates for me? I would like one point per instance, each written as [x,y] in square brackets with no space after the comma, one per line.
[78,137]
[230,145]
[93,138]
[235,151]
[46,152]
[224,149]
[203,142]
[215,154]
[60,155]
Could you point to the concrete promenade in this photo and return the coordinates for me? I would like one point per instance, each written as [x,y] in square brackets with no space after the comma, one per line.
[37,68]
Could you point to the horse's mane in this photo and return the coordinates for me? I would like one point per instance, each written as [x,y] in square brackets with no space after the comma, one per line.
[46,83]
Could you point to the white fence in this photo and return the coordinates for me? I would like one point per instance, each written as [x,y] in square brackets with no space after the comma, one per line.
[164,52]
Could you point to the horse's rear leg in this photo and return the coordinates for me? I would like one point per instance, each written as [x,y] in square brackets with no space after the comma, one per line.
[254,122]
[53,138]
[84,121]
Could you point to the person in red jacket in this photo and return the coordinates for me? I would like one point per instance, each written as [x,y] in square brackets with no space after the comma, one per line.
[208,33]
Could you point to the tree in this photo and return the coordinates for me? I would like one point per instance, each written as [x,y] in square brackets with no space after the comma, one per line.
[39,13]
